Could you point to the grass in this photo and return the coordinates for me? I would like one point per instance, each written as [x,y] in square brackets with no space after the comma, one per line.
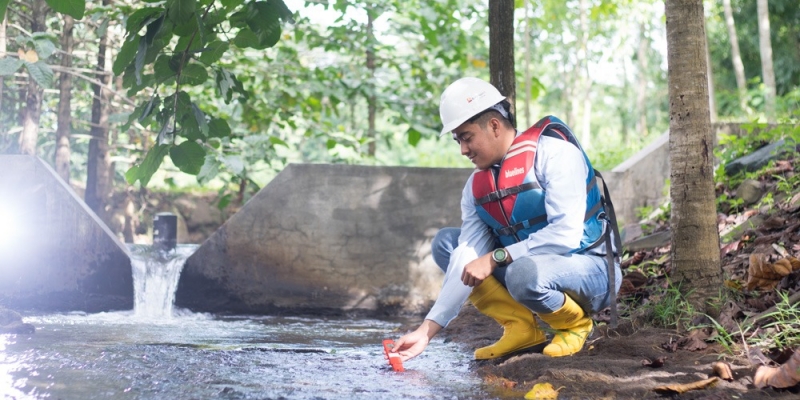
[670,309]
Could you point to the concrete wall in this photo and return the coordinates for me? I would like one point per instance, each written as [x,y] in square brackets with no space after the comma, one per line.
[55,254]
[328,238]
[640,180]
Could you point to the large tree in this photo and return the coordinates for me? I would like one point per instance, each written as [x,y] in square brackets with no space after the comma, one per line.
[501,49]
[33,98]
[695,239]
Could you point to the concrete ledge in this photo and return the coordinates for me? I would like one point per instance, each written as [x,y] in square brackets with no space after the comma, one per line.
[56,254]
[328,238]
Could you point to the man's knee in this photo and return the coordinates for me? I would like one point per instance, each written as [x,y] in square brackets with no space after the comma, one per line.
[442,246]
[523,280]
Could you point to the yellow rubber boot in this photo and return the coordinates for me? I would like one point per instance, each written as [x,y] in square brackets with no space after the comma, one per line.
[572,328]
[520,329]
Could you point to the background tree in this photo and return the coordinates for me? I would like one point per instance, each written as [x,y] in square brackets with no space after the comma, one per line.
[501,49]
[695,238]
[738,67]
[767,71]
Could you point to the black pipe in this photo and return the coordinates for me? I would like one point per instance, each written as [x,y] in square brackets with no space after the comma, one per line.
[165,231]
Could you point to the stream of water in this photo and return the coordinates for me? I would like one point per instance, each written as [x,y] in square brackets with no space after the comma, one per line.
[157,352]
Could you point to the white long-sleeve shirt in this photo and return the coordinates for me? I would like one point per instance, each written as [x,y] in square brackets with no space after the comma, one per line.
[561,171]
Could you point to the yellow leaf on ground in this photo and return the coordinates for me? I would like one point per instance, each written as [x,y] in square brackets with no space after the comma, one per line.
[787,375]
[683,388]
[542,391]
[29,56]
[722,370]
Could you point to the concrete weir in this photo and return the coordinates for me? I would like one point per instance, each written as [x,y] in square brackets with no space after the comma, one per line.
[55,254]
[328,238]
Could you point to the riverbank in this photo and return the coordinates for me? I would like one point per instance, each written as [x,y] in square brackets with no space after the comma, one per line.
[613,364]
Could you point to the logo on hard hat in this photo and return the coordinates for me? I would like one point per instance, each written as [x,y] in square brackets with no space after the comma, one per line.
[469,99]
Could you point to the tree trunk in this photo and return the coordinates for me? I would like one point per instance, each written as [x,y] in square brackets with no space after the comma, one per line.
[64,127]
[585,83]
[641,85]
[695,239]
[501,49]
[767,71]
[371,107]
[528,34]
[98,176]
[738,67]
[33,98]
[712,101]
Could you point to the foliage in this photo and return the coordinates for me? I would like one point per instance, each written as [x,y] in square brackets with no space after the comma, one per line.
[783,330]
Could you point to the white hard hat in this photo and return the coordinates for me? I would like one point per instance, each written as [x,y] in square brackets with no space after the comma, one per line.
[464,99]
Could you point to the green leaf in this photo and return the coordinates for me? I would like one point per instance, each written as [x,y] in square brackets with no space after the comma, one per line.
[213,52]
[218,127]
[263,18]
[126,54]
[200,117]
[154,102]
[74,8]
[143,17]
[9,65]
[225,84]
[278,141]
[139,62]
[330,144]
[179,11]
[193,74]
[234,163]
[247,38]
[132,175]
[4,7]
[41,73]
[162,70]
[44,47]
[231,4]
[151,162]
[414,137]
[188,156]
[209,170]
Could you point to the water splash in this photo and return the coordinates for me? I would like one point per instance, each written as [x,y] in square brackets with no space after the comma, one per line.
[155,279]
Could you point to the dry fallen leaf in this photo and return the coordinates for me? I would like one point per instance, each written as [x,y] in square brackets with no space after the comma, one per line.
[542,391]
[765,276]
[787,375]
[30,56]
[495,380]
[683,388]
[655,363]
[722,370]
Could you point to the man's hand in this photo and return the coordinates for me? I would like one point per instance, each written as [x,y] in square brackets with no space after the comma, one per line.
[412,344]
[478,270]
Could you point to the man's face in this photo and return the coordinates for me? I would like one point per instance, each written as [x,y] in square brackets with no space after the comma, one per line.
[478,143]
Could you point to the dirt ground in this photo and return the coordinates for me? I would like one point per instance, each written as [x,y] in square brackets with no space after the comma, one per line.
[610,366]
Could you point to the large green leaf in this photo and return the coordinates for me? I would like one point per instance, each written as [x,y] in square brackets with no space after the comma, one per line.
[234,163]
[219,127]
[213,52]
[74,8]
[9,65]
[188,156]
[41,73]
[151,162]
[209,170]
[143,17]
[126,54]
[3,8]
[193,74]
[180,11]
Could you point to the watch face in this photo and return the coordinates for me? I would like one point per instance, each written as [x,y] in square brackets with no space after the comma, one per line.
[500,255]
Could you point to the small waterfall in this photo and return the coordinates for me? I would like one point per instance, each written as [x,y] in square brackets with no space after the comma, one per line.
[155,279]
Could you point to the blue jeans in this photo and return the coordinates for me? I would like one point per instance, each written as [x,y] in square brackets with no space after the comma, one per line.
[540,282]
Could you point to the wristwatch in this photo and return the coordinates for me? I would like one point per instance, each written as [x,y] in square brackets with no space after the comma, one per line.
[500,256]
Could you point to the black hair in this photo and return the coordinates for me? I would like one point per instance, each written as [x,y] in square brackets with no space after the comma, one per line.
[483,117]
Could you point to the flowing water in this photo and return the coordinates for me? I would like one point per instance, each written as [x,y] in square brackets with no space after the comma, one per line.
[155,352]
